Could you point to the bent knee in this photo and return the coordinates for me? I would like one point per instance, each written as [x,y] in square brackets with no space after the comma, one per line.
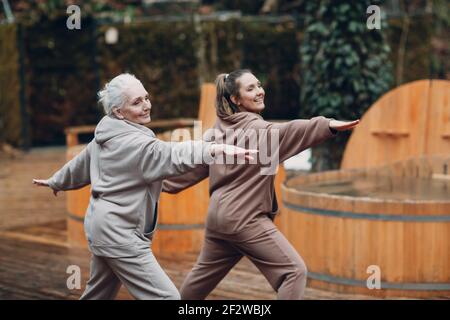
[300,270]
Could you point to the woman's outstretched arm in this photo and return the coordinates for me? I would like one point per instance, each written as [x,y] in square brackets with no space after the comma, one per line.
[74,174]
[298,135]
[161,159]
[179,183]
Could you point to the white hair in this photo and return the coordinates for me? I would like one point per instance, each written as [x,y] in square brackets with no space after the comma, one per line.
[113,93]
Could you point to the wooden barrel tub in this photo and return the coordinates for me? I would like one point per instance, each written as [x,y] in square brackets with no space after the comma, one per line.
[181,221]
[394,220]
[181,216]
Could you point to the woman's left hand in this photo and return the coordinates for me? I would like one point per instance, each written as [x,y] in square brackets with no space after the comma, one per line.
[44,183]
[343,125]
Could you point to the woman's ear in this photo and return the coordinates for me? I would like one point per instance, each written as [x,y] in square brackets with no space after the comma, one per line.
[234,100]
[118,113]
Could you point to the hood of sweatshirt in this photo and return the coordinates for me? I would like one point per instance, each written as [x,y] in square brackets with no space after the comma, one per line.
[110,127]
[237,119]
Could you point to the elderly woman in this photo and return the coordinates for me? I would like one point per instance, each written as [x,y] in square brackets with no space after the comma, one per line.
[125,164]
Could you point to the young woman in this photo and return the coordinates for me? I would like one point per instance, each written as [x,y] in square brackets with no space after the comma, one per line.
[242,197]
[125,164]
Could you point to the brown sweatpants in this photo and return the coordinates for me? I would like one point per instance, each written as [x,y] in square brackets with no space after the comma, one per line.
[269,250]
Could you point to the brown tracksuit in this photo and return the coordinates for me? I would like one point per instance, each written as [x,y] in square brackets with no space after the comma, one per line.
[241,210]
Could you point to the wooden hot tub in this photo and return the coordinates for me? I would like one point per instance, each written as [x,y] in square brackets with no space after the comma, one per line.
[346,224]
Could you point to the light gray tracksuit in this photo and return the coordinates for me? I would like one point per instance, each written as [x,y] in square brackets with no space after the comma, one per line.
[125,164]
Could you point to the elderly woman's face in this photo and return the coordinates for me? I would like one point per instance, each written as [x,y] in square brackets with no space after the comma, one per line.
[138,105]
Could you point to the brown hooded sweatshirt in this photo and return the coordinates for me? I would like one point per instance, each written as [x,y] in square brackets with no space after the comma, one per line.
[243,194]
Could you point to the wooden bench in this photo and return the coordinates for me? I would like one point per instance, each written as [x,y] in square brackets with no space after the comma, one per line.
[73,132]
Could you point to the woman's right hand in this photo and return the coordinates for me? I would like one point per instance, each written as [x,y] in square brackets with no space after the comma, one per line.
[44,183]
[231,150]
[343,125]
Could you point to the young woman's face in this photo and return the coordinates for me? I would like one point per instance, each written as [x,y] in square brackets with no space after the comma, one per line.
[138,105]
[251,94]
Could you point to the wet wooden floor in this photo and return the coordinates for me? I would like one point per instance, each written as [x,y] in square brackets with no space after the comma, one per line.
[35,256]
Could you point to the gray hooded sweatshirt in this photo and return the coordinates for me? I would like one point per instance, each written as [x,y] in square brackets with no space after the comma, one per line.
[125,164]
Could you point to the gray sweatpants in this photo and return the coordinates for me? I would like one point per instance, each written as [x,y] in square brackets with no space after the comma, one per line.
[141,275]
[269,250]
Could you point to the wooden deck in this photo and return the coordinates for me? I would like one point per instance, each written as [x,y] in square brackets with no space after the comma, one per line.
[34,254]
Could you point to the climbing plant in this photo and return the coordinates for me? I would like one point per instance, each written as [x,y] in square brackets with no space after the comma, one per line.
[10,117]
[344,68]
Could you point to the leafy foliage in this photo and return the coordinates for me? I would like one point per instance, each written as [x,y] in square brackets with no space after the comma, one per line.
[10,117]
[345,68]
